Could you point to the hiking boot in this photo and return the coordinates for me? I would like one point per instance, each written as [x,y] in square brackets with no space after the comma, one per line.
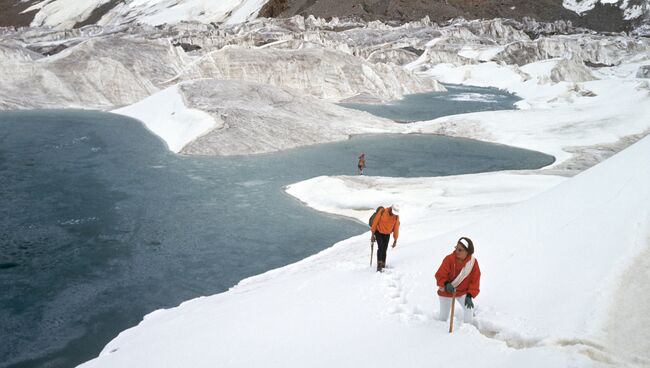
[380,266]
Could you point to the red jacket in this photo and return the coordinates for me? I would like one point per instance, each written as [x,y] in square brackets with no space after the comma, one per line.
[450,268]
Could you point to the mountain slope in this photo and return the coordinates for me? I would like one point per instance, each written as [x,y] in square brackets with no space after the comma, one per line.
[12,13]
[602,15]
[66,14]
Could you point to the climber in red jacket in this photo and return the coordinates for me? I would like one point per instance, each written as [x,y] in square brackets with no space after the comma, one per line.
[459,276]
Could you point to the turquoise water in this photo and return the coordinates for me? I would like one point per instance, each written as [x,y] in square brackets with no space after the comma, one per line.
[101,225]
[457,99]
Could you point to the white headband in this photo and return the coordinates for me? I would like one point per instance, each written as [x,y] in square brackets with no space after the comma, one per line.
[464,242]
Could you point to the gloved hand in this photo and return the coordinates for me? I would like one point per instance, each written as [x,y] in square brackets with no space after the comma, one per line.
[449,287]
[468,302]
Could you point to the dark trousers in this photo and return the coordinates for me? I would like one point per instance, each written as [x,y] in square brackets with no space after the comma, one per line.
[382,245]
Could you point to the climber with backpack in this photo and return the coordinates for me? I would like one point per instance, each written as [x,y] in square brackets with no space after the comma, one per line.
[382,223]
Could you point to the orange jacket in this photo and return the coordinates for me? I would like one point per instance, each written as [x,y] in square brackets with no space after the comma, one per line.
[450,268]
[386,223]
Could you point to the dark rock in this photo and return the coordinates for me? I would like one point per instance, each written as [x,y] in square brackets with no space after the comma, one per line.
[273,8]
[187,47]
[98,13]
[11,13]
[604,17]
[413,50]
[597,65]
[48,49]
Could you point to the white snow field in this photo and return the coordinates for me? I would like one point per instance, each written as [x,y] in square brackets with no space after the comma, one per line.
[564,260]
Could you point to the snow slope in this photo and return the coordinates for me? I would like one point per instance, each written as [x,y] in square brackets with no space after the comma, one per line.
[551,268]
[581,6]
[64,14]
[156,12]
[558,116]
[167,116]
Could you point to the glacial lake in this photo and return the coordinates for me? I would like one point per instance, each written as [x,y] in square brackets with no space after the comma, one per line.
[457,99]
[100,224]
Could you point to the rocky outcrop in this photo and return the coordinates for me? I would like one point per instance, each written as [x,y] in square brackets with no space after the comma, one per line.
[13,13]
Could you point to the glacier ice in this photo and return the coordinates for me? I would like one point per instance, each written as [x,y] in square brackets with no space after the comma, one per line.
[259,118]
[643,72]
[310,59]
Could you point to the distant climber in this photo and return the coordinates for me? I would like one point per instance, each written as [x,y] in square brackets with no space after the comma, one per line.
[459,276]
[385,222]
[362,163]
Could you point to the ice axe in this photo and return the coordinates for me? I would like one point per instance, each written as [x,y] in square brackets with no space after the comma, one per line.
[451,320]
[372,250]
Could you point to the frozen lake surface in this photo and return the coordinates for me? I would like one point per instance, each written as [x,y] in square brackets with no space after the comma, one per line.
[101,224]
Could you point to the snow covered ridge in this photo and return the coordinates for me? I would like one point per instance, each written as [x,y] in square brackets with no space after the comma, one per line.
[632,8]
[65,14]
[636,12]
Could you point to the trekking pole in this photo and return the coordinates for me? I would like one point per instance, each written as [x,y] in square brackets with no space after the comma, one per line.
[372,249]
[451,320]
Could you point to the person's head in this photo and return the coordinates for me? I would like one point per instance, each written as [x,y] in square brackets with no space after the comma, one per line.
[464,247]
[394,210]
